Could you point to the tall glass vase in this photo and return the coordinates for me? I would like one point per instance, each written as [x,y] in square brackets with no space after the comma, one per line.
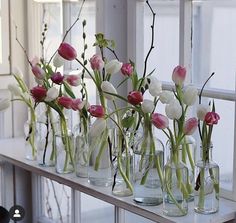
[30,143]
[81,138]
[64,148]
[100,159]
[206,198]
[122,166]
[148,167]
[175,192]
[45,139]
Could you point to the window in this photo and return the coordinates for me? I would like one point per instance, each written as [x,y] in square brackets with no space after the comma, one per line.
[209,48]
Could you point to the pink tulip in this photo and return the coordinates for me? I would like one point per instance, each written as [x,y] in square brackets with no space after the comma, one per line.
[96,62]
[38,93]
[96,111]
[65,102]
[190,126]
[160,121]
[57,78]
[178,75]
[127,69]
[73,80]
[212,118]
[38,72]
[67,51]
[75,104]
[135,97]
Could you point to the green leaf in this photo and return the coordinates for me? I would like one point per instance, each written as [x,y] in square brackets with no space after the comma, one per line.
[68,90]
[127,122]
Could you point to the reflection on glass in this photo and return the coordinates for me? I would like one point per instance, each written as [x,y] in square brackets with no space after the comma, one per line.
[56,201]
[214,46]
[96,211]
[165,55]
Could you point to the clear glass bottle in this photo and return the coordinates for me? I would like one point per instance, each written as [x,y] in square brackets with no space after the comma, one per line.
[175,192]
[45,140]
[30,142]
[206,199]
[122,166]
[100,159]
[64,147]
[81,140]
[148,168]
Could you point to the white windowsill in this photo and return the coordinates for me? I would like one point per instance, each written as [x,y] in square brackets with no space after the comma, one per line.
[12,151]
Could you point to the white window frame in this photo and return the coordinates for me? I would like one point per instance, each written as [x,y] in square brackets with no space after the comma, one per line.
[135,16]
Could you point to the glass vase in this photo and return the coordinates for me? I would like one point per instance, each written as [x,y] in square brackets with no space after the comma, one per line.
[30,144]
[122,166]
[148,167]
[175,190]
[45,140]
[206,200]
[100,159]
[81,148]
[64,147]
[188,157]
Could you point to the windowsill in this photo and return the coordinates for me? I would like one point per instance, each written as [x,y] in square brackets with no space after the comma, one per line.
[12,151]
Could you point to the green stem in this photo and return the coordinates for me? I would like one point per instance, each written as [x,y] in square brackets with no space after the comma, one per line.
[201,198]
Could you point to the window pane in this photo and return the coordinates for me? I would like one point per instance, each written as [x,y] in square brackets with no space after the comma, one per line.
[165,55]
[96,211]
[56,201]
[214,46]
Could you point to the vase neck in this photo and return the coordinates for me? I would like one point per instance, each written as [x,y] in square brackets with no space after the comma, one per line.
[206,153]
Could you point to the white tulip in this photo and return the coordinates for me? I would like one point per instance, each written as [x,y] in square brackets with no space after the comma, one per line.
[4,103]
[58,61]
[84,104]
[173,110]
[108,87]
[147,106]
[155,88]
[14,89]
[166,97]
[202,111]
[52,94]
[113,66]
[98,127]
[190,95]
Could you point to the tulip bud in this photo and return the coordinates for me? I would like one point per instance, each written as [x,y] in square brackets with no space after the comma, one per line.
[166,97]
[202,111]
[98,127]
[106,86]
[212,118]
[173,110]
[84,104]
[67,51]
[38,72]
[127,69]
[147,106]
[57,78]
[75,104]
[113,66]
[4,103]
[135,97]
[52,94]
[190,126]
[14,89]
[38,93]
[96,62]
[190,95]
[65,102]
[96,111]
[58,61]
[160,121]
[73,80]
[178,75]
